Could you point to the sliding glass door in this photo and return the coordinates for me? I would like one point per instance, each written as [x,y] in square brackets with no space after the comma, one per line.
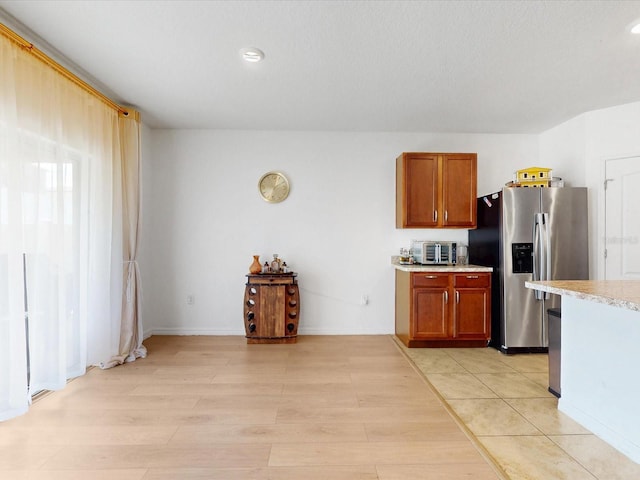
[46,222]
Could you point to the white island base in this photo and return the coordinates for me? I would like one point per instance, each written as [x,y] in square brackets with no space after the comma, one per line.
[600,359]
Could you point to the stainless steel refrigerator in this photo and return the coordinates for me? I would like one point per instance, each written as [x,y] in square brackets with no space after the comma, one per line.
[529,234]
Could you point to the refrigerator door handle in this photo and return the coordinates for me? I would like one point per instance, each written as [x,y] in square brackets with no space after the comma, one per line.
[546,247]
[537,264]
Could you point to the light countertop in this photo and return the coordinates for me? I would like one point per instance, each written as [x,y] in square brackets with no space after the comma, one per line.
[618,293]
[395,261]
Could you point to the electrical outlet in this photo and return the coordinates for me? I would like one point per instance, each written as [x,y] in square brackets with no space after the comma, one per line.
[190,299]
[364,299]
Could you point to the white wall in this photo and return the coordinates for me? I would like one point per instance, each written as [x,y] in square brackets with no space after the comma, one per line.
[593,138]
[203,220]
[611,133]
[563,149]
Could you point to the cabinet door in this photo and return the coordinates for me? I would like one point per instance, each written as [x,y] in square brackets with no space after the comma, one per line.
[430,313]
[271,313]
[417,190]
[471,317]
[459,187]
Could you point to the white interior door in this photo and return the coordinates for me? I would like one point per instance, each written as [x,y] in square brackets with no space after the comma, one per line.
[622,218]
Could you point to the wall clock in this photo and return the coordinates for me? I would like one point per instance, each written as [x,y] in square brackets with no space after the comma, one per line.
[273,187]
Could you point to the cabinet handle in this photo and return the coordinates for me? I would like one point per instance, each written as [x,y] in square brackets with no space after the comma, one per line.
[446,215]
[457,296]
[430,277]
[446,297]
[470,277]
[435,216]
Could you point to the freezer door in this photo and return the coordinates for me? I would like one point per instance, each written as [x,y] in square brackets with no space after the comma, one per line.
[568,235]
[522,322]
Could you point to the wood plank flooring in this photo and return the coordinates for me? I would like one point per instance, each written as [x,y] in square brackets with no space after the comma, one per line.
[198,407]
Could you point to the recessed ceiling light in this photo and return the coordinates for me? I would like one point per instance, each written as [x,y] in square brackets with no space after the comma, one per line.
[636,28]
[252,54]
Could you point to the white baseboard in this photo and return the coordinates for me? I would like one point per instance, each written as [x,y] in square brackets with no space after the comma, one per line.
[216,332]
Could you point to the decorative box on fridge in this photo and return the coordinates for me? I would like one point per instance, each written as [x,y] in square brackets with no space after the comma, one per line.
[533,177]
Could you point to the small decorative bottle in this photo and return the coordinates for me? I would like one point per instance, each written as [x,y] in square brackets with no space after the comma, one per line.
[265,267]
[285,268]
[275,264]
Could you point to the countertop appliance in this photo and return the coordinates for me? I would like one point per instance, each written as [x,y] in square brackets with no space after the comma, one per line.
[529,234]
[428,252]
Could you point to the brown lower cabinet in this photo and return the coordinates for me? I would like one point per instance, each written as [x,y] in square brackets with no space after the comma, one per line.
[443,309]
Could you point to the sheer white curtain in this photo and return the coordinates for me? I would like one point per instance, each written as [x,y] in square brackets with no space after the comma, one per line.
[60,229]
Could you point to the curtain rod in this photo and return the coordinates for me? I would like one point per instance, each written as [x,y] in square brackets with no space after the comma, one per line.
[40,55]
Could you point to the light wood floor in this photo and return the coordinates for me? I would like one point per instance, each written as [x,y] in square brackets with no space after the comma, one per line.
[327,407]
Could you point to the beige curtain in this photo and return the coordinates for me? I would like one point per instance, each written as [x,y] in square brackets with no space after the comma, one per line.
[65,153]
[131,331]
[69,214]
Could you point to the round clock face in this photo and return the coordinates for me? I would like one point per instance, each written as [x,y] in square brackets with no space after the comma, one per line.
[273,187]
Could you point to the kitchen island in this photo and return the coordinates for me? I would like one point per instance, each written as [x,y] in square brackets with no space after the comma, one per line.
[600,357]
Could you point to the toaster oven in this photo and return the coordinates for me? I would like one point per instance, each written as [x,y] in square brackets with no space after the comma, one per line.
[434,252]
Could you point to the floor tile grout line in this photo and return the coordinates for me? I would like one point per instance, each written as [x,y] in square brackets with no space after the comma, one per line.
[484,452]
[483,383]
[504,399]
[549,437]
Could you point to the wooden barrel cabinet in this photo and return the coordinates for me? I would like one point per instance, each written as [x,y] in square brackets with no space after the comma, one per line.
[271,308]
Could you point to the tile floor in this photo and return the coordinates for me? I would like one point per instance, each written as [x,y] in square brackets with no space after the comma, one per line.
[503,400]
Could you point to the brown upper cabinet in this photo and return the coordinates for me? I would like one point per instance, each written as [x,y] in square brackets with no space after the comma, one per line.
[436,190]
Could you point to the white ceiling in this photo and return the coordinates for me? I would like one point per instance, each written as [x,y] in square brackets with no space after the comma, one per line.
[452,66]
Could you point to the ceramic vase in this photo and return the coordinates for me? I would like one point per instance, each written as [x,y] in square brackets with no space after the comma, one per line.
[255,267]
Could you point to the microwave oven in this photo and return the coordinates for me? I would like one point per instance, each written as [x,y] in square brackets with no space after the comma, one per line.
[428,252]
